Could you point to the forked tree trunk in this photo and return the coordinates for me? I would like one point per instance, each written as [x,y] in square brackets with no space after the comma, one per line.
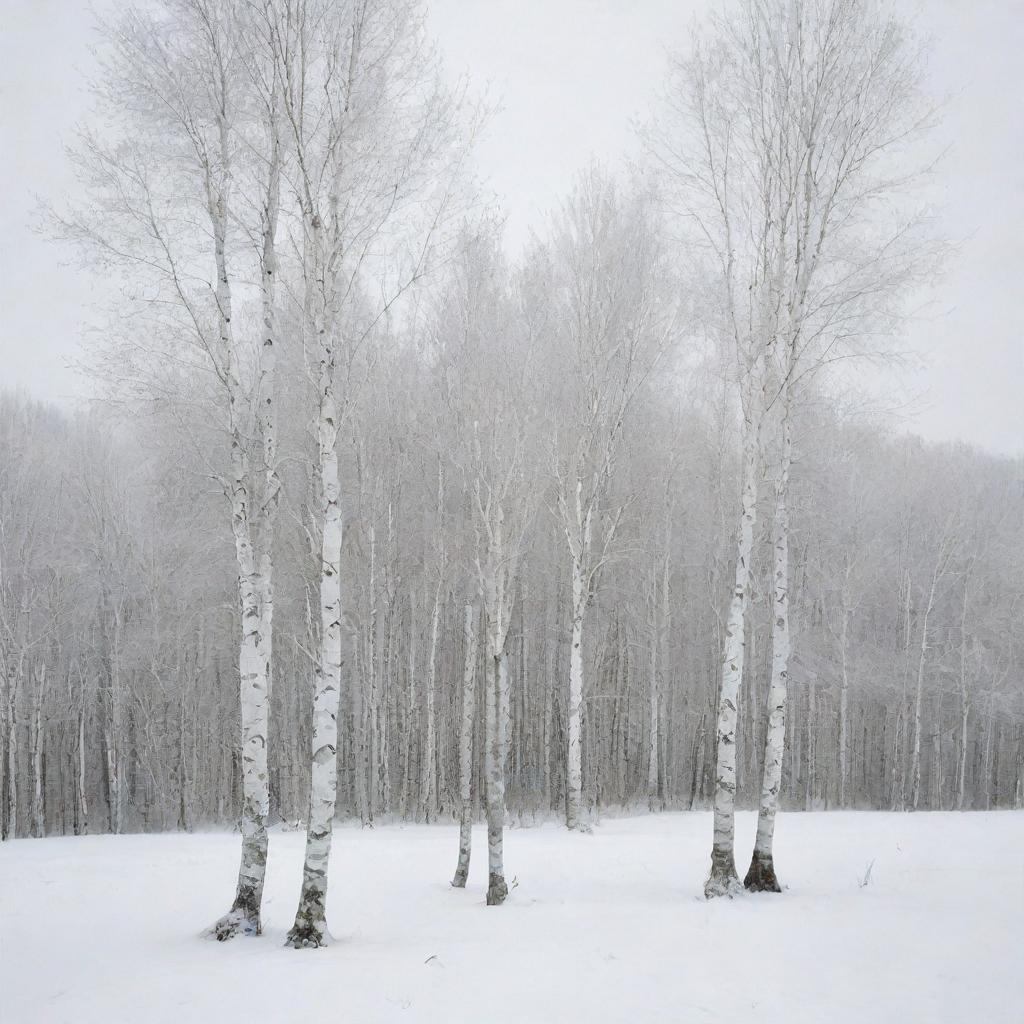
[466,750]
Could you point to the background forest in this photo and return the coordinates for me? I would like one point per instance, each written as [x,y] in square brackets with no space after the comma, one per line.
[546,451]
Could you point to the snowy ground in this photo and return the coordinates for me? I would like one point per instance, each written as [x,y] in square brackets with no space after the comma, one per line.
[605,927]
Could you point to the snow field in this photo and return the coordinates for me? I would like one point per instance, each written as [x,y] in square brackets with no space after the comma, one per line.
[603,927]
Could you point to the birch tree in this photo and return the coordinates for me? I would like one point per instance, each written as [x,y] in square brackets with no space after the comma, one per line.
[375,141]
[466,720]
[845,90]
[490,368]
[789,114]
[613,325]
[194,81]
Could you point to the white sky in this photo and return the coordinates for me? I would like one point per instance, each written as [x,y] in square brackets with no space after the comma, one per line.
[570,74]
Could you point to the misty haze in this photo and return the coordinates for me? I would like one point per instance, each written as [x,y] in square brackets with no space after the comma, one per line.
[519,503]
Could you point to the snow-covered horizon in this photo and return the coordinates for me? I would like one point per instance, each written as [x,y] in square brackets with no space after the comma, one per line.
[885,918]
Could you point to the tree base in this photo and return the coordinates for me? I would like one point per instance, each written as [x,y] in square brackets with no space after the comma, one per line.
[237,921]
[497,890]
[723,880]
[459,881]
[308,935]
[761,874]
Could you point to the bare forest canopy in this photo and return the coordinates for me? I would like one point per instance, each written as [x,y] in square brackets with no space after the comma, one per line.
[118,576]
[590,529]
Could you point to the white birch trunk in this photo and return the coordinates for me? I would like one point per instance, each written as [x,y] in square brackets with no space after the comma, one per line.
[466,750]
[761,875]
[961,773]
[722,879]
[574,726]
[12,768]
[244,916]
[310,927]
[915,794]
[1018,787]
[654,793]
[428,764]
[652,732]
[253,554]
[36,751]
[844,693]
[110,733]
[494,768]
[83,802]
[965,707]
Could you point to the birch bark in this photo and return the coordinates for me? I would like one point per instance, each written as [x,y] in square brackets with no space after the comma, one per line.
[574,764]
[253,545]
[466,749]
[310,927]
[761,876]
[941,563]
[36,751]
[722,880]
[494,767]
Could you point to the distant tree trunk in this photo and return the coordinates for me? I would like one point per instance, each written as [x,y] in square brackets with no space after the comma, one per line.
[810,747]
[1018,782]
[697,759]
[184,803]
[655,785]
[12,774]
[965,707]
[989,777]
[652,730]
[574,757]
[896,785]
[494,767]
[83,802]
[937,572]
[412,710]
[36,752]
[844,693]
[466,749]
[428,763]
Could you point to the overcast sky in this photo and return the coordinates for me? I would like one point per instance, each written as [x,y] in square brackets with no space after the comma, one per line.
[570,74]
